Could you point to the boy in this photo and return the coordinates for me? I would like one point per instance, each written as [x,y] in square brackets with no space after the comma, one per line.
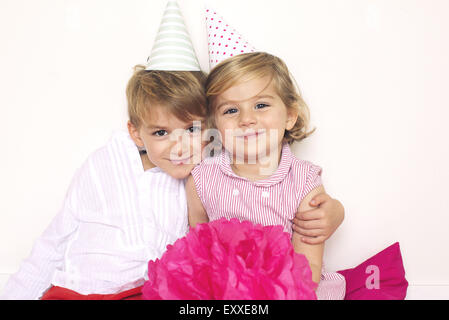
[123,206]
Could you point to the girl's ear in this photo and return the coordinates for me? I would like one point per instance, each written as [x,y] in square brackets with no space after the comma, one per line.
[292,117]
[135,135]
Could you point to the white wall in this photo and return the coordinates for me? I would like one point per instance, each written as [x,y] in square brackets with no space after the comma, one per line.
[374,73]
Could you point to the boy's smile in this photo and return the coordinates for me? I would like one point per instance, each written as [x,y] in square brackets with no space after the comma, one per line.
[171,144]
[182,160]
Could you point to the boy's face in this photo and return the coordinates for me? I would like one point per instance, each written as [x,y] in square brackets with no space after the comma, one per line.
[171,144]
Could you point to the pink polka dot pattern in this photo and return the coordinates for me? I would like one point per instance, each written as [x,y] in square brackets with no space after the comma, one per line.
[224,41]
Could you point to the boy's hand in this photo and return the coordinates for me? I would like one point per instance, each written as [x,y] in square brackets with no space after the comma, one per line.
[317,225]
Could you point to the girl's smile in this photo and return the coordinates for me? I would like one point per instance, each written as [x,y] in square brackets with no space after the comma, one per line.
[250,134]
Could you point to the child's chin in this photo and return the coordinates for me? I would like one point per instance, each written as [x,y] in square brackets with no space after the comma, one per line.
[181,172]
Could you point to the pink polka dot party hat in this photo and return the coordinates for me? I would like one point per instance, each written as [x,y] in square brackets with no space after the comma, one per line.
[223,40]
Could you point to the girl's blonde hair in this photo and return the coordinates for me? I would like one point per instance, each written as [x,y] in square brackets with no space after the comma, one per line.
[181,92]
[248,66]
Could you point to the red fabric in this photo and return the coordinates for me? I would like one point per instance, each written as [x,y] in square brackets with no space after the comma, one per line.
[392,282]
[59,293]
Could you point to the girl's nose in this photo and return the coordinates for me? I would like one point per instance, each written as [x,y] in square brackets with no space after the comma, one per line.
[247,118]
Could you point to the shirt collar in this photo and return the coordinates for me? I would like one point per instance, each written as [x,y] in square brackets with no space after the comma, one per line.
[278,175]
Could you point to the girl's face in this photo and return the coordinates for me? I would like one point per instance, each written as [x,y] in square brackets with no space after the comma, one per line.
[252,119]
[172,145]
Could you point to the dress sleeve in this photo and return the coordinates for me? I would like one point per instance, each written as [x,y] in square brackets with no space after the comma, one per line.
[47,255]
[313,179]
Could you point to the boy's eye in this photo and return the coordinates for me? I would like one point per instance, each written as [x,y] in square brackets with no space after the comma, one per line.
[231,111]
[160,133]
[261,106]
[194,129]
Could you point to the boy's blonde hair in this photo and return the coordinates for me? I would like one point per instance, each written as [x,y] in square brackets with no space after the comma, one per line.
[248,66]
[181,92]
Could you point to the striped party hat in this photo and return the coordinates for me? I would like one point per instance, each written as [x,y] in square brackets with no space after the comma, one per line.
[173,49]
[224,41]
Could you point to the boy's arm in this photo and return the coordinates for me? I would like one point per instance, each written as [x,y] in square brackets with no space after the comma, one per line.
[197,213]
[35,273]
[316,225]
[313,252]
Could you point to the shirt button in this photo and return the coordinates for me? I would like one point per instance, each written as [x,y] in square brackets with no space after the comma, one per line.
[265,194]
[236,192]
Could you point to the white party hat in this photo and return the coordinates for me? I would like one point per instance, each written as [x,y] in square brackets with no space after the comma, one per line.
[173,49]
[224,41]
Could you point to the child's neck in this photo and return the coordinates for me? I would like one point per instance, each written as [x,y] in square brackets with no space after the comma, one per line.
[261,170]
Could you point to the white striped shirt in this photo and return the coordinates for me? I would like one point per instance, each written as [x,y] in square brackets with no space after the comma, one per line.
[273,201]
[115,218]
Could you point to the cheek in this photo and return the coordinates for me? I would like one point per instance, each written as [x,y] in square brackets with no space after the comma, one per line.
[197,144]
[154,157]
[156,151]
[224,125]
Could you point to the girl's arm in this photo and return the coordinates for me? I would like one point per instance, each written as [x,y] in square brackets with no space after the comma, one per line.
[313,252]
[197,213]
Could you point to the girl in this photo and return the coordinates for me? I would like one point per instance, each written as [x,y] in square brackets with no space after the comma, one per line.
[258,113]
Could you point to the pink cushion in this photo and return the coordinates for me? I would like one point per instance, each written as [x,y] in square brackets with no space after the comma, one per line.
[381,277]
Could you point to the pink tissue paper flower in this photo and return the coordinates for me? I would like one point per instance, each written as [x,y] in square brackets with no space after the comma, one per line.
[230,260]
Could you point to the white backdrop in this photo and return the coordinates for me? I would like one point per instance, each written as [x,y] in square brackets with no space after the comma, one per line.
[374,73]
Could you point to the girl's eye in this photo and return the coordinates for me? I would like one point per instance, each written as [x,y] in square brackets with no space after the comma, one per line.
[160,133]
[194,129]
[231,111]
[261,106]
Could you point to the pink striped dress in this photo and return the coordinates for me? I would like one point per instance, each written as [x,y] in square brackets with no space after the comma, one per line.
[273,201]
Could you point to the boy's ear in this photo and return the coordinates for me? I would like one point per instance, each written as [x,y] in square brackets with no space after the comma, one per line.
[135,135]
[292,117]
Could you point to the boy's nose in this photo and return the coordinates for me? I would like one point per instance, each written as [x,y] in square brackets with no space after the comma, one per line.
[182,149]
[181,145]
